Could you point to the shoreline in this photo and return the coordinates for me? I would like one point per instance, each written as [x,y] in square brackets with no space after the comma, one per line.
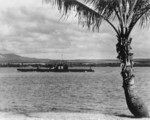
[64,116]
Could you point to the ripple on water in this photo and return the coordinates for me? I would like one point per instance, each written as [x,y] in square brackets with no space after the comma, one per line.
[100,91]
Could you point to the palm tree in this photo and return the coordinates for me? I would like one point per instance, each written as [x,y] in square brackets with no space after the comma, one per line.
[127,13]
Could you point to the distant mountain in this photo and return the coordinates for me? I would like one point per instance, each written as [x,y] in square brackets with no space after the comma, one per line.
[13,58]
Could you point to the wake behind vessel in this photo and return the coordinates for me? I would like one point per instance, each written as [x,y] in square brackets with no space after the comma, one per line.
[56,68]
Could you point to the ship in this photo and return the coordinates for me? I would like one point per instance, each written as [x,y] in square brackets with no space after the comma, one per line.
[56,68]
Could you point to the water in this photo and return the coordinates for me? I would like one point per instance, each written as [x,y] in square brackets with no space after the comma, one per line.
[98,92]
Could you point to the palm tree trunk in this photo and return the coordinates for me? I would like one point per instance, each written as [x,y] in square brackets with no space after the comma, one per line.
[134,102]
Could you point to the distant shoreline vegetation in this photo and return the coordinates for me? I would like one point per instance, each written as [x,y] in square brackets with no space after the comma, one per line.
[13,60]
[73,64]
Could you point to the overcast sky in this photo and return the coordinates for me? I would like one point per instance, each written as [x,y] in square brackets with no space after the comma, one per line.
[33,29]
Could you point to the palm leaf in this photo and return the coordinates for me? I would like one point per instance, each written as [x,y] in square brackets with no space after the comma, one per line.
[103,7]
[87,16]
[128,12]
[141,13]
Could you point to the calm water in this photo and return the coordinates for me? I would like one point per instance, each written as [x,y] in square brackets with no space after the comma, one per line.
[99,92]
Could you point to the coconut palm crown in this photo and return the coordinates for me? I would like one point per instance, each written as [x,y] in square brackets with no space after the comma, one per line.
[127,13]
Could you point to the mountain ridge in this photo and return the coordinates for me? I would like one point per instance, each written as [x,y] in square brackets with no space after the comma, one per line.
[14,58]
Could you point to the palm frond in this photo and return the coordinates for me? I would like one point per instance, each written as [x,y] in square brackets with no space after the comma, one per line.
[127,12]
[141,13]
[103,7]
[87,16]
[145,19]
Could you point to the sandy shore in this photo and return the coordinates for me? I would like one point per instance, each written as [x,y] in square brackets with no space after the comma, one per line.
[63,116]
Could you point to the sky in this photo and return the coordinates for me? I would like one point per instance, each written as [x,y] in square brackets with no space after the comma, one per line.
[32,28]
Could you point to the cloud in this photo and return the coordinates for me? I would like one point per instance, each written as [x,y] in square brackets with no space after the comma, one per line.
[34,29]
[141,42]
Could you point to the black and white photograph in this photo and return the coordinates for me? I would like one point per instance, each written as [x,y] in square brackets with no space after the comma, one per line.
[74,59]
